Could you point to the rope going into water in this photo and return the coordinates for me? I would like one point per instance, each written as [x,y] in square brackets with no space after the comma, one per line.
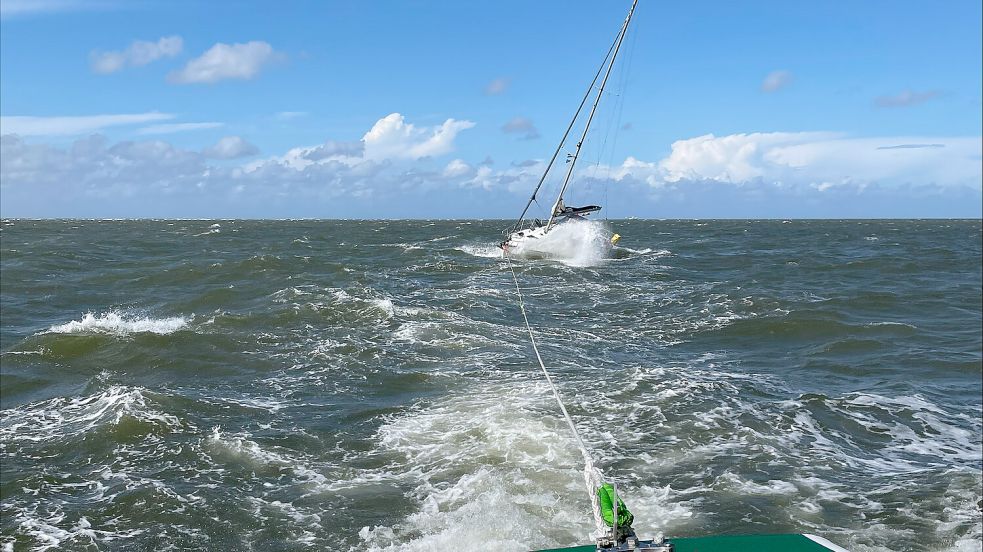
[592,476]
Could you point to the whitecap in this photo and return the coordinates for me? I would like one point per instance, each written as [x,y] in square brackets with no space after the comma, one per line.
[242,449]
[120,324]
[486,251]
[62,417]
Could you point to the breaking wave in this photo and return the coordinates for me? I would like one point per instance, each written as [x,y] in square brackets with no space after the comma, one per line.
[61,417]
[120,324]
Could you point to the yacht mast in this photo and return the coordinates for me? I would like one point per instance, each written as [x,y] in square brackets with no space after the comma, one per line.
[597,75]
[600,92]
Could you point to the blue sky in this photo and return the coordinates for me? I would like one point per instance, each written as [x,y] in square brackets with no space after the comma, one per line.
[449,109]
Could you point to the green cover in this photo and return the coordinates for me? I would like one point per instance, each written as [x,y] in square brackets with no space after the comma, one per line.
[731,543]
[605,494]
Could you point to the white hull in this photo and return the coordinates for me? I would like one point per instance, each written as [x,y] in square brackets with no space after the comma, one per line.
[523,240]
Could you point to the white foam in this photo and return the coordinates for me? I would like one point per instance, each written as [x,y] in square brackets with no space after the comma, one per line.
[898,324]
[487,251]
[499,454]
[365,301]
[384,304]
[120,324]
[250,452]
[48,535]
[61,417]
[40,352]
[736,483]
[574,242]
[646,251]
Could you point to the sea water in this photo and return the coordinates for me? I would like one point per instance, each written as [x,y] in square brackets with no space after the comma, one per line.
[336,385]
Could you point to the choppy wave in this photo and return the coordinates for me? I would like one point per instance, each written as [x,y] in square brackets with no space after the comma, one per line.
[731,377]
[61,417]
[486,251]
[120,324]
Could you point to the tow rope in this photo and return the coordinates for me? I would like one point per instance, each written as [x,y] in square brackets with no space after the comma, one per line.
[593,478]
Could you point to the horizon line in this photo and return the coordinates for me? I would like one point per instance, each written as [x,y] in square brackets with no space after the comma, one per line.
[355,219]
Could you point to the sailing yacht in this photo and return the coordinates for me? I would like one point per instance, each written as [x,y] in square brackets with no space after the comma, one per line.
[525,233]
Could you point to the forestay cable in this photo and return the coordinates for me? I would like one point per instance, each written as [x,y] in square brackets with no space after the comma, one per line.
[592,476]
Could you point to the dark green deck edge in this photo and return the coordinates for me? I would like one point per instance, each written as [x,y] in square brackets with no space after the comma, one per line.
[731,543]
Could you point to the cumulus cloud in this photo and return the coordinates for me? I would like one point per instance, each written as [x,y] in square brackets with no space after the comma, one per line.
[819,160]
[759,174]
[227,61]
[170,128]
[522,126]
[456,169]
[230,147]
[391,142]
[906,98]
[392,137]
[92,167]
[91,170]
[498,86]
[776,80]
[67,126]
[517,179]
[137,54]
[734,158]
[333,149]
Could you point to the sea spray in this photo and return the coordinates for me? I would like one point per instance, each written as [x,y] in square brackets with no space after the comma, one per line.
[574,242]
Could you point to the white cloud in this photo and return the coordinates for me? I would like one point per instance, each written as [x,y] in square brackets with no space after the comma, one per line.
[67,126]
[139,53]
[816,159]
[776,80]
[230,147]
[390,140]
[906,98]
[456,169]
[227,61]
[332,149]
[91,167]
[171,128]
[762,174]
[349,154]
[393,138]
[733,158]
[498,86]
[517,179]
